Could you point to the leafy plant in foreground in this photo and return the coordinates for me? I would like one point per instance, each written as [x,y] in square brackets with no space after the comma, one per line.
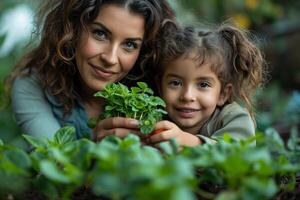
[245,171]
[125,169]
[14,169]
[136,102]
[61,163]
[115,168]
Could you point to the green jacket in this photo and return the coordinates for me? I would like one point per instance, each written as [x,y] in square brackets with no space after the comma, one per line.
[231,119]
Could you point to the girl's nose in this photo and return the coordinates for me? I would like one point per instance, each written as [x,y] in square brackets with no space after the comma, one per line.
[188,94]
[110,55]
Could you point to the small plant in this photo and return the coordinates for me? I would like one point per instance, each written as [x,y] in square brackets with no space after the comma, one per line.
[136,102]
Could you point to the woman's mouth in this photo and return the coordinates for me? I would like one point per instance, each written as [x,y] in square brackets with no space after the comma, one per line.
[102,73]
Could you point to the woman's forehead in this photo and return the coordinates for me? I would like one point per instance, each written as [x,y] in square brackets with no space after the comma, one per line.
[119,19]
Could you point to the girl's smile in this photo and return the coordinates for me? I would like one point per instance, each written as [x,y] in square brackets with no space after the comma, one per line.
[186,112]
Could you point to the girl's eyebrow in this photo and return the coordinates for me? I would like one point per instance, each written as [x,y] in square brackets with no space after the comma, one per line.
[207,78]
[172,75]
[102,26]
[202,78]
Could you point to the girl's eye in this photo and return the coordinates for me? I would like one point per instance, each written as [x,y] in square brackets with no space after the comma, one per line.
[203,85]
[175,83]
[100,34]
[130,45]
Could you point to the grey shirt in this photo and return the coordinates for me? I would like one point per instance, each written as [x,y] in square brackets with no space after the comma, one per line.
[40,114]
[231,119]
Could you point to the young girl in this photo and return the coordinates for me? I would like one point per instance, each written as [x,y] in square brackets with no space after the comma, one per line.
[203,76]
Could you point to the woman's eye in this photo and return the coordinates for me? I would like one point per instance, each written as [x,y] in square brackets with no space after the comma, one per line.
[129,46]
[99,34]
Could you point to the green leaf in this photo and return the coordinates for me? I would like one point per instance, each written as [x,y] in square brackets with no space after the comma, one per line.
[109,108]
[45,187]
[35,142]
[142,85]
[153,156]
[18,157]
[101,94]
[92,122]
[226,195]
[65,135]
[166,147]
[260,188]
[51,171]
[135,89]
[294,142]
[146,129]
[161,111]
[227,137]
[273,140]
[59,155]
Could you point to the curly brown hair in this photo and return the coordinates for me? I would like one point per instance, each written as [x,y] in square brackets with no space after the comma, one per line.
[59,26]
[232,53]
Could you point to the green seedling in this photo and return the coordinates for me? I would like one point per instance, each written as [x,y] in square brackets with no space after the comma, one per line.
[136,102]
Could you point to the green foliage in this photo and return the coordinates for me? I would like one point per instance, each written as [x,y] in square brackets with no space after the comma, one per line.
[247,171]
[136,102]
[15,166]
[292,110]
[58,162]
[247,13]
[114,168]
[278,109]
[271,112]
[125,169]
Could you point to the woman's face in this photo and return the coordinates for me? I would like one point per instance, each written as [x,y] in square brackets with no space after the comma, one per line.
[110,47]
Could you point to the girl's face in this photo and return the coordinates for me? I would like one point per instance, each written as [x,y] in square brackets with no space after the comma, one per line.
[110,47]
[191,92]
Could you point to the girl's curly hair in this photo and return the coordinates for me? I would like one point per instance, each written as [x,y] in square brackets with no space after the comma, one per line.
[232,53]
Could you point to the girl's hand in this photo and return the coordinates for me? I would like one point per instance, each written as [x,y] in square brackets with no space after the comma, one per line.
[119,126]
[170,130]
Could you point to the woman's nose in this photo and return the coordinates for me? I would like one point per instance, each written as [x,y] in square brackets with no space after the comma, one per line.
[110,55]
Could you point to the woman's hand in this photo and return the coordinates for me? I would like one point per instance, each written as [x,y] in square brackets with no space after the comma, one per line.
[119,126]
[169,130]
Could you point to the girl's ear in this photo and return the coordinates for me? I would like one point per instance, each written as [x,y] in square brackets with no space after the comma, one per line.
[225,94]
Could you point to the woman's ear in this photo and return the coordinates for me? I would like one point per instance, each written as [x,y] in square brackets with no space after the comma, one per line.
[225,94]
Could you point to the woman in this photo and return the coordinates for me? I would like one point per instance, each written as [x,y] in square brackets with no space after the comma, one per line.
[84,45]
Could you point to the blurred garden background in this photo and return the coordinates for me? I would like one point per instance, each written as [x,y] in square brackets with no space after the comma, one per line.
[275,22]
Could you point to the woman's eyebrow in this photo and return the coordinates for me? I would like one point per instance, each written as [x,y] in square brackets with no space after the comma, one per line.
[102,26]
[110,33]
